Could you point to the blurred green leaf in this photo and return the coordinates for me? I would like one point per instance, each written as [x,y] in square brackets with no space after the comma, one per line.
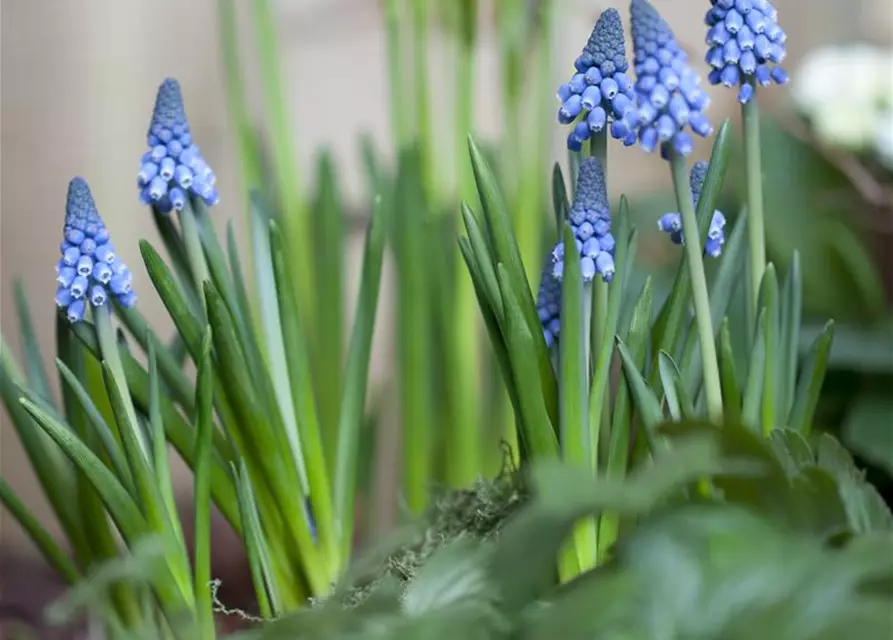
[868,430]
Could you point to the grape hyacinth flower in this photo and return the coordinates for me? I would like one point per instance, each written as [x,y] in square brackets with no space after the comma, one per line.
[173,167]
[746,45]
[88,271]
[600,91]
[590,220]
[671,223]
[670,99]
[548,306]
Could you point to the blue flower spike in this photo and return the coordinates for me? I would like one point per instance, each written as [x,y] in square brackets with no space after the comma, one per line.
[88,272]
[590,221]
[745,45]
[600,94]
[671,223]
[173,167]
[670,99]
[548,306]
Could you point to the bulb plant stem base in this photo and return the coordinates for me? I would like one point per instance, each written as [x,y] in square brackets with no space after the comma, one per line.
[712,388]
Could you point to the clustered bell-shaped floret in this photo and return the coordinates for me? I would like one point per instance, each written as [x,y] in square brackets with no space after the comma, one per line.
[89,270]
[670,98]
[548,306]
[746,43]
[173,167]
[600,92]
[671,223]
[590,221]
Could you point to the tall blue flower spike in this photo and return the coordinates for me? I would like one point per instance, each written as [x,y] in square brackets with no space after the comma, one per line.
[89,270]
[173,167]
[746,44]
[548,306]
[671,223]
[600,91]
[590,220]
[670,98]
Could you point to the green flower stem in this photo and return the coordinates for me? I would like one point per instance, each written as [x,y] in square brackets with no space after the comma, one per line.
[400,123]
[598,148]
[754,173]
[108,346]
[712,388]
[420,12]
[194,253]
[248,156]
[464,440]
[288,180]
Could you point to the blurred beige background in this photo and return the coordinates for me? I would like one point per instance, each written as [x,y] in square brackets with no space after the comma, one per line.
[78,81]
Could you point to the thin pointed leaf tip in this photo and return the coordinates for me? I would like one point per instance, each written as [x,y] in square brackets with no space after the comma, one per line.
[670,98]
[89,270]
[590,220]
[671,223]
[745,45]
[600,91]
[173,167]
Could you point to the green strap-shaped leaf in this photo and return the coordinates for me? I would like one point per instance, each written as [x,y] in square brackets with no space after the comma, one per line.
[202,498]
[353,397]
[38,381]
[574,380]
[731,389]
[769,301]
[647,405]
[809,387]
[537,427]
[42,539]
[624,253]
[789,340]
[305,409]
[506,252]
[121,507]
[678,402]
[753,390]
[560,204]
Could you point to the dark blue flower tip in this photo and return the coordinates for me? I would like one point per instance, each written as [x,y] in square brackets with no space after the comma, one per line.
[173,167]
[671,223]
[88,271]
[745,45]
[548,306]
[601,91]
[590,221]
[670,100]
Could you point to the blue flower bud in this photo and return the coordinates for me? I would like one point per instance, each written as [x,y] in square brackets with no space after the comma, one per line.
[590,222]
[604,264]
[756,42]
[671,223]
[63,297]
[600,79]
[87,262]
[98,295]
[177,159]
[564,92]
[597,119]
[75,310]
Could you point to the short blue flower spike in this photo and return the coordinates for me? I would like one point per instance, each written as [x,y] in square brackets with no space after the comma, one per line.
[746,44]
[590,220]
[89,270]
[671,223]
[548,306]
[670,98]
[601,92]
[173,167]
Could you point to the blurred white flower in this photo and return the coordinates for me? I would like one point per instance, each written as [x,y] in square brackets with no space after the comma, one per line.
[842,90]
[883,140]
